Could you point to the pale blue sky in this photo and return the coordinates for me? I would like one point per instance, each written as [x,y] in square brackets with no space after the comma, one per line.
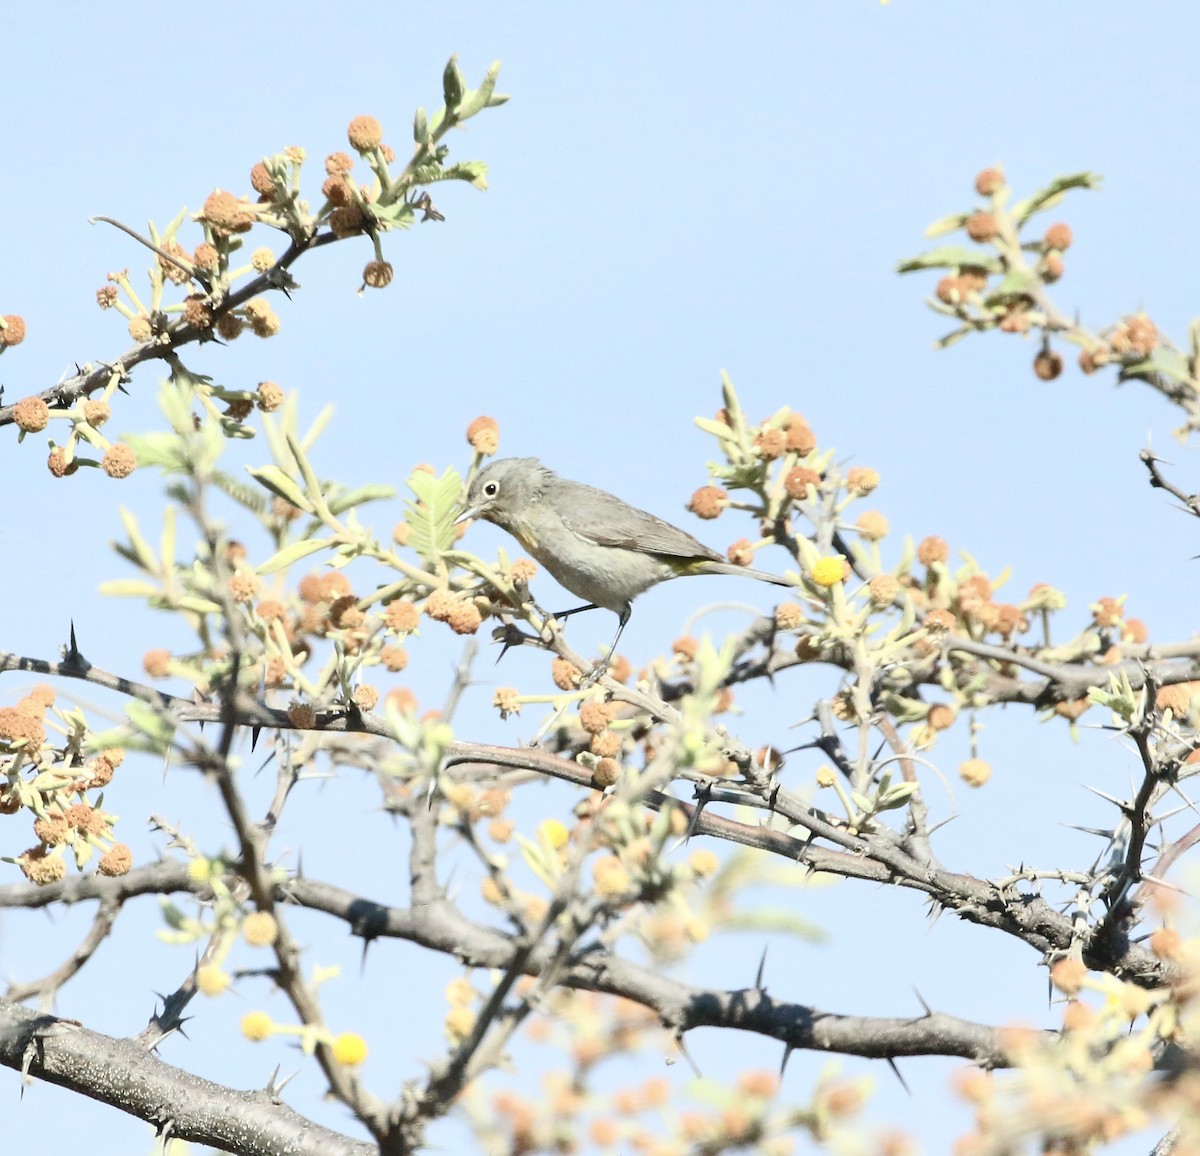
[675,189]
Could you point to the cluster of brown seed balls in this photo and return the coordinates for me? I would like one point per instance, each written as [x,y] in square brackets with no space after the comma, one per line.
[63,818]
[1126,341]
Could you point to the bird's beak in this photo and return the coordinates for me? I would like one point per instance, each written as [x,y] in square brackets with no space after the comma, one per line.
[467,514]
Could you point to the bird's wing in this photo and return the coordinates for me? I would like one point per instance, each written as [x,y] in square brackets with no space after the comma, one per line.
[630,528]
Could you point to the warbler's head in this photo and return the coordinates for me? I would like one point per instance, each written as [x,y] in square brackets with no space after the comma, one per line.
[506,491]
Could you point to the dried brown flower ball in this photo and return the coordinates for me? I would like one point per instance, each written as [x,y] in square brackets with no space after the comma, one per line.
[59,464]
[206,257]
[302,716]
[798,480]
[378,274]
[989,182]
[771,444]
[402,616]
[708,502]
[364,133]
[932,549]
[982,227]
[1058,236]
[96,413]
[116,861]
[566,675]
[119,462]
[1048,365]
[12,332]
[483,435]
[31,414]
[260,180]
[226,213]
[741,553]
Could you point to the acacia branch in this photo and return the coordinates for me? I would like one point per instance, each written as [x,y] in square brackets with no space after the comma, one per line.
[122,1074]
[96,376]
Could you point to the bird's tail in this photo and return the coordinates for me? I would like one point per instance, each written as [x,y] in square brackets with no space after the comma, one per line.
[743,572]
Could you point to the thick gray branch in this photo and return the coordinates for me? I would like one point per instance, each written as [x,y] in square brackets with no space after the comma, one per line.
[125,1075]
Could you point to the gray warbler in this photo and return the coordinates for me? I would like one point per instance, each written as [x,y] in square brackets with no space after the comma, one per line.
[594,544]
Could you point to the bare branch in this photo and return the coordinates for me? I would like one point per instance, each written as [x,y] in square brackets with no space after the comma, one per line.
[123,1074]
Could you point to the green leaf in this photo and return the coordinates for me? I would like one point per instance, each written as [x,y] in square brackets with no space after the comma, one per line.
[231,428]
[129,588]
[947,224]
[542,863]
[167,542]
[473,171]
[952,257]
[1018,283]
[151,724]
[453,86]
[317,428]
[242,494]
[952,338]
[172,915]
[312,484]
[482,97]
[140,548]
[776,920]
[173,227]
[432,515]
[359,497]
[420,127]
[175,400]
[105,740]
[282,486]
[1050,196]
[165,450]
[717,428]
[1164,360]
[198,605]
[396,215]
[293,553]
[897,796]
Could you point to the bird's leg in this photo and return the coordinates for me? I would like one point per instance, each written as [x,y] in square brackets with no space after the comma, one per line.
[511,635]
[601,667]
[576,610]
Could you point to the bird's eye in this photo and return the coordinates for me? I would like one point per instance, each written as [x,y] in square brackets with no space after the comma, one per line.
[490,490]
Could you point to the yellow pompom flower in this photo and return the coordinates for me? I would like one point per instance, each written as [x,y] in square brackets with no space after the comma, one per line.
[829,571]
[199,870]
[554,832]
[350,1049]
[212,980]
[459,1023]
[257,1025]
[260,928]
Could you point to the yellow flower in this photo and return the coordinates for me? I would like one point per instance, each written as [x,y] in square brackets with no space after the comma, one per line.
[459,1023]
[257,1025]
[975,772]
[459,992]
[212,980]
[350,1049]
[199,870]
[260,928]
[554,832]
[829,571]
